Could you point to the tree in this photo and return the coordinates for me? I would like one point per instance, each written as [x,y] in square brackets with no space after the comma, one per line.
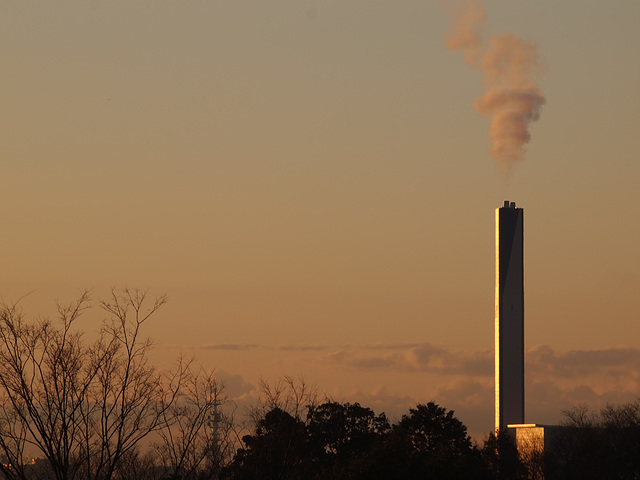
[45,376]
[350,442]
[501,454]
[138,465]
[277,446]
[603,445]
[432,429]
[340,435]
[84,406]
[193,438]
[276,451]
[438,445]
[129,398]
[289,394]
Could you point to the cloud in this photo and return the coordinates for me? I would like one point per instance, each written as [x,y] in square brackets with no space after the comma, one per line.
[463,381]
[234,384]
[619,364]
[231,346]
[459,379]
[302,347]
[455,361]
[296,347]
[616,361]
[471,399]
[415,357]
[592,377]
[379,399]
[390,346]
[613,368]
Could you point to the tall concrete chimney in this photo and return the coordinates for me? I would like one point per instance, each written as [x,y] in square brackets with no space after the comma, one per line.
[509,316]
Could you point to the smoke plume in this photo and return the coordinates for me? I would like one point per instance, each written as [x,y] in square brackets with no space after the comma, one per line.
[510,67]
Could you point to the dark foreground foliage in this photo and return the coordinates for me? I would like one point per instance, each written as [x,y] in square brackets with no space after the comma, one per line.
[350,442]
[602,445]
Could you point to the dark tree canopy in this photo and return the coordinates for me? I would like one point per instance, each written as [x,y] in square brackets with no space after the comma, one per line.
[599,445]
[502,457]
[350,442]
[432,429]
[438,445]
[339,434]
[276,451]
[343,428]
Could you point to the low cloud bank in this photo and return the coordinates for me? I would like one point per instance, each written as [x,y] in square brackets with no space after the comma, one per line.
[459,379]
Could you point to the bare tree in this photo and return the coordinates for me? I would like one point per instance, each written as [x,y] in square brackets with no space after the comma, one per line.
[83,406]
[129,397]
[13,433]
[531,450]
[138,465]
[600,444]
[44,376]
[193,432]
[289,394]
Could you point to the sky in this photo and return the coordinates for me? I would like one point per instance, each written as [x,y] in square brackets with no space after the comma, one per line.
[310,185]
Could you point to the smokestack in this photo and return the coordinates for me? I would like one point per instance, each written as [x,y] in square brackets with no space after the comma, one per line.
[509,316]
[509,67]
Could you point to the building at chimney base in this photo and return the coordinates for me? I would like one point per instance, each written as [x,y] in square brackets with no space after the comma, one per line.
[540,449]
[509,316]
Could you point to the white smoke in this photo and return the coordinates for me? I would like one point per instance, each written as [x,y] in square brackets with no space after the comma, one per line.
[510,67]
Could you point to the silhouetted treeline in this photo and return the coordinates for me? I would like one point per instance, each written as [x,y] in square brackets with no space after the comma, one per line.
[603,445]
[349,441]
[99,411]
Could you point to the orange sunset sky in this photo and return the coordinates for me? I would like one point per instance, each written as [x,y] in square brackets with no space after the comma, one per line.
[309,183]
